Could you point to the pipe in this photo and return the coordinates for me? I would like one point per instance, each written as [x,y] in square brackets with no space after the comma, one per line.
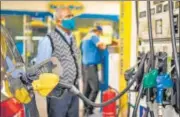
[129,108]
[74,90]
[151,51]
[89,102]
[137,18]
[174,47]
[141,89]
[150,35]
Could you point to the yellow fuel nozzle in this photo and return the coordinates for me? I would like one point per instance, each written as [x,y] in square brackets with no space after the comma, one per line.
[21,93]
[46,83]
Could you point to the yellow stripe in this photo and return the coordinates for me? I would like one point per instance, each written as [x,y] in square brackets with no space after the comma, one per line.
[125,49]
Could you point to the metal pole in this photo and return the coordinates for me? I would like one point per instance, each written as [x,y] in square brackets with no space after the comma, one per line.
[137,18]
[24,34]
[150,34]
[151,52]
[174,47]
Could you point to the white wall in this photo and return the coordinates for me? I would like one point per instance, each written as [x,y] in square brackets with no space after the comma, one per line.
[91,7]
[143,29]
[24,5]
[143,25]
[102,7]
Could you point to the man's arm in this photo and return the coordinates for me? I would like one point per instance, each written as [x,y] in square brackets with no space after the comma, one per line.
[44,50]
[44,53]
[98,44]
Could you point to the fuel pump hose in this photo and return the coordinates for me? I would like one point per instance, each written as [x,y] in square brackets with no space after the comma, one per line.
[74,90]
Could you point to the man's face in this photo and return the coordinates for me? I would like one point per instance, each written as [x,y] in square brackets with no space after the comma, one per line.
[99,33]
[65,14]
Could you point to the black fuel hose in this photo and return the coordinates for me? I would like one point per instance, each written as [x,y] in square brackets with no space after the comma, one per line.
[74,90]
[174,48]
[89,102]
[138,100]
[151,45]
[141,89]
[151,113]
[150,35]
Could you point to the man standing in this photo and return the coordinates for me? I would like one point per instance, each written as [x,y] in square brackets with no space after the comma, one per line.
[91,49]
[60,43]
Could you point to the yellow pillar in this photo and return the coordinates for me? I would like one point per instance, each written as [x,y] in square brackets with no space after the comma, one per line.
[125,50]
[78,38]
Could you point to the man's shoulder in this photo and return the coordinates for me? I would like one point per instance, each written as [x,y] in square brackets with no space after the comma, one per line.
[45,39]
[52,35]
[89,36]
[52,32]
[94,37]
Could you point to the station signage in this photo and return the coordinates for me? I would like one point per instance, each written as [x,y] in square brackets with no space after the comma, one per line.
[76,7]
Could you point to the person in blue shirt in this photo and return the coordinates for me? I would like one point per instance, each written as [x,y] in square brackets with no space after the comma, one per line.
[92,52]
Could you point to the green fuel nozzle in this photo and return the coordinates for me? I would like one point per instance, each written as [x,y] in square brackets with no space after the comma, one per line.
[150,79]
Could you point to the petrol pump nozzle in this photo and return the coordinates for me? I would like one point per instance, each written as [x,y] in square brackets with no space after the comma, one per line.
[163,82]
[130,72]
[45,83]
[150,79]
[43,87]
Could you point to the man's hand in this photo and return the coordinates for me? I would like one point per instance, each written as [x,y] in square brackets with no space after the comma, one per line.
[101,45]
[57,69]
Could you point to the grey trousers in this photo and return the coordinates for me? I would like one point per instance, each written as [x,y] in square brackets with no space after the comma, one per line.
[66,106]
[90,83]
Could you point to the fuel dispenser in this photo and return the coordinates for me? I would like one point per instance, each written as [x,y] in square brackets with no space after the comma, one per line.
[175,54]
[174,92]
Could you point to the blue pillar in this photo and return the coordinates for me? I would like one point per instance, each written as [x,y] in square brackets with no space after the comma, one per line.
[105,69]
